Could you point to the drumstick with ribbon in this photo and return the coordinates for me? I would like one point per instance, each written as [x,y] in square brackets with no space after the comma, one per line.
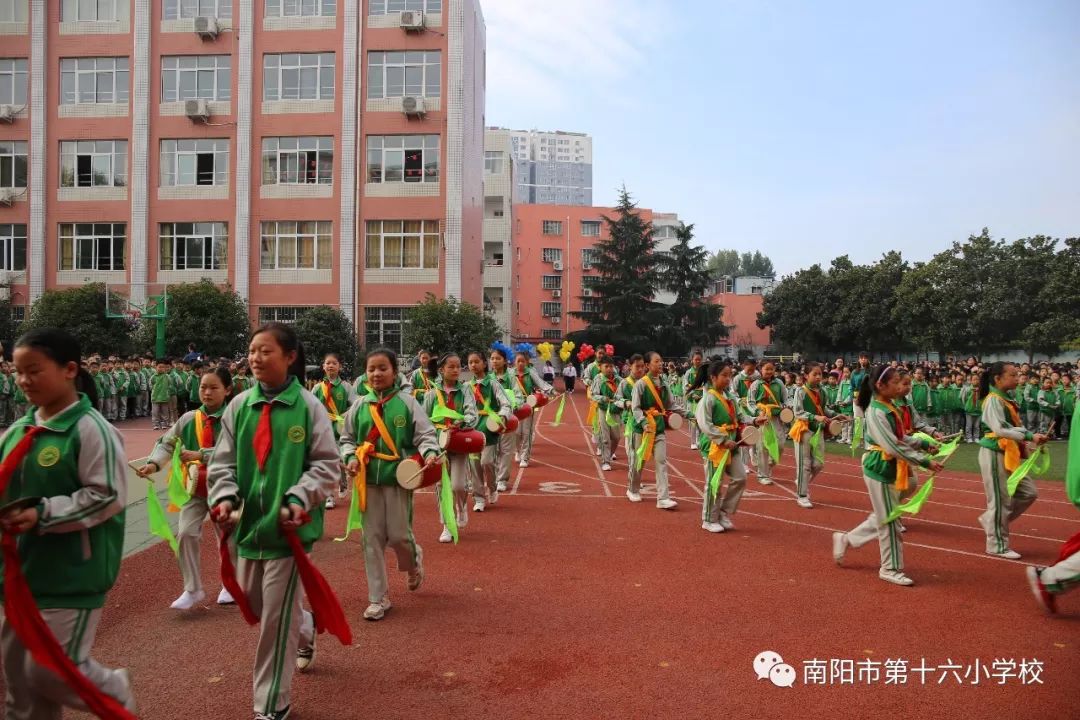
[439,459]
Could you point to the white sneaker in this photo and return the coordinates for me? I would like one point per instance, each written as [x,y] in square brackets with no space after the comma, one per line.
[517,456]
[668,504]
[523,463]
[305,657]
[225,598]
[895,577]
[1008,554]
[597,451]
[726,523]
[803,501]
[463,517]
[500,486]
[478,506]
[124,676]
[764,480]
[494,497]
[839,547]
[712,527]
[376,611]
[446,537]
[605,466]
[633,496]
[188,600]
[693,446]
[330,503]
[902,528]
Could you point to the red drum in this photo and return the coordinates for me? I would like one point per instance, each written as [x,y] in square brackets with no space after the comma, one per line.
[523,412]
[834,428]
[538,399]
[461,442]
[411,476]
[493,424]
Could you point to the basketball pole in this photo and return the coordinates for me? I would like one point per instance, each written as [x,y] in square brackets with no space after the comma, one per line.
[159,338]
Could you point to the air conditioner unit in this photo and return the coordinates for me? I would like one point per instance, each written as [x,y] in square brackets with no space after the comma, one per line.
[556,293]
[587,292]
[197,110]
[7,196]
[411,105]
[207,28]
[556,320]
[411,20]
[7,113]
[557,265]
[586,266]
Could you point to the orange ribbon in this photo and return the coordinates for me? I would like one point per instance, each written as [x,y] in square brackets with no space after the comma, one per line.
[367,450]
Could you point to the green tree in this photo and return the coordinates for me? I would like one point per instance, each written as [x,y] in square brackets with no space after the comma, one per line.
[326,329]
[81,311]
[622,307]
[692,320]
[799,313]
[443,325]
[214,318]
[725,263]
[756,265]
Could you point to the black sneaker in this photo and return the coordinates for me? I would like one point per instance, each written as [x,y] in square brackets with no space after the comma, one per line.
[281,714]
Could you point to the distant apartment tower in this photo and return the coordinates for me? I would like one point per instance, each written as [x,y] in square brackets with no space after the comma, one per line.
[499,192]
[324,152]
[664,227]
[552,168]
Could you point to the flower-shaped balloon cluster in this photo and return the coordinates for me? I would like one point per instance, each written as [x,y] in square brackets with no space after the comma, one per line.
[545,349]
[586,352]
[565,349]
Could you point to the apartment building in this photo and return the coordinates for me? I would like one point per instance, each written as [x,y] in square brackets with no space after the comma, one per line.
[552,168]
[305,152]
[499,198]
[664,228]
[742,299]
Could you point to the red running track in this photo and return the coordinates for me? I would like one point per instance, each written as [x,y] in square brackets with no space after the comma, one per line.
[565,600]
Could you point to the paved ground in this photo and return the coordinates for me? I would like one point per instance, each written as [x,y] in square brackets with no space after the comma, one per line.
[567,601]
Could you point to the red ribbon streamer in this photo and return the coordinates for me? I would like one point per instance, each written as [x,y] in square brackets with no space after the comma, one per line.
[325,606]
[228,579]
[1070,548]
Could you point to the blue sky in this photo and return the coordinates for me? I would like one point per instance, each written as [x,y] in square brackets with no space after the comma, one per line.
[809,129]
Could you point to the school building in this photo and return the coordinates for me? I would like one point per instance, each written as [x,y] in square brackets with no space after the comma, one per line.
[304,152]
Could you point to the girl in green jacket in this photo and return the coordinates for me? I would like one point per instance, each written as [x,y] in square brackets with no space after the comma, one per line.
[451,395]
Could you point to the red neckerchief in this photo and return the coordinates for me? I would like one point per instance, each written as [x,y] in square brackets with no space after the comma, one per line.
[815,397]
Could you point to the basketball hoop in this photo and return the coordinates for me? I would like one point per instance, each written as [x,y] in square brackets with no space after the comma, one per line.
[133,314]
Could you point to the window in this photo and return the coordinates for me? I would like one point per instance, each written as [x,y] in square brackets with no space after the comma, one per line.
[13,155]
[18,314]
[194,162]
[389,7]
[403,244]
[301,8]
[13,247]
[298,160]
[590,281]
[308,76]
[191,77]
[13,81]
[396,74]
[194,246]
[178,9]
[590,228]
[663,232]
[88,11]
[92,246]
[551,309]
[93,163]
[590,306]
[589,257]
[93,80]
[493,161]
[382,327]
[13,11]
[551,334]
[551,255]
[289,245]
[552,227]
[552,282]
[403,158]
[283,314]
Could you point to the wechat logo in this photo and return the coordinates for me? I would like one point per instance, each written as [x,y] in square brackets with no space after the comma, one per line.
[769,665]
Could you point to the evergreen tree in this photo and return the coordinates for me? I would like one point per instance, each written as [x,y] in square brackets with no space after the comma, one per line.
[692,320]
[325,329]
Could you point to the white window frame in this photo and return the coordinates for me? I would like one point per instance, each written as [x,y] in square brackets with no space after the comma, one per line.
[396,147]
[13,247]
[552,227]
[551,255]
[390,7]
[287,314]
[589,281]
[14,160]
[301,8]
[185,9]
[72,11]
[177,155]
[117,88]
[108,160]
[382,64]
[427,239]
[280,67]
[385,320]
[590,225]
[14,75]
[287,160]
[590,305]
[551,282]
[208,77]
[13,12]
[551,309]
[185,237]
[283,232]
[92,237]
[549,334]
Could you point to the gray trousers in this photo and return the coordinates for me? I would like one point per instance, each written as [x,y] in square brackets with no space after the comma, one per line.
[1031,418]
[160,416]
[483,471]
[883,498]
[971,427]
[34,693]
[1045,421]
[142,403]
[273,590]
[765,462]
[525,438]
[1063,576]
[633,475]
[1000,508]
[459,480]
[507,441]
[726,502]
[663,489]
[388,523]
[609,439]
[806,466]
[122,407]
[108,408]
[192,517]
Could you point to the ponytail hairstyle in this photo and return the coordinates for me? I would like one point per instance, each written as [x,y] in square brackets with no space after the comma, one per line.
[986,380]
[385,352]
[435,364]
[289,341]
[226,380]
[715,368]
[480,354]
[868,386]
[63,349]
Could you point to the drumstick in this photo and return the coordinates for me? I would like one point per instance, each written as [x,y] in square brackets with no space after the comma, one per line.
[440,457]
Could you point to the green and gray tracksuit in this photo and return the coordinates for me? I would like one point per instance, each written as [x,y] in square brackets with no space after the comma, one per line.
[1000,420]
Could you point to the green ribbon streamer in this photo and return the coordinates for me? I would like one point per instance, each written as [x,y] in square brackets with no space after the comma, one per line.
[1036,465]
[443,413]
[178,494]
[628,428]
[446,502]
[559,412]
[717,476]
[770,441]
[915,503]
[1072,460]
[159,526]
[856,435]
[817,448]
[355,518]
[640,454]
[611,422]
